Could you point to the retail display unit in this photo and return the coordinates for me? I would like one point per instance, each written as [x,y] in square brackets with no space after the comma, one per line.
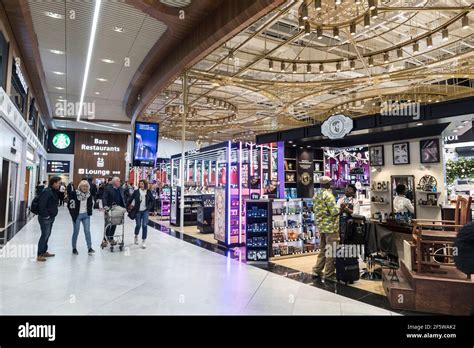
[192,201]
[232,170]
[287,225]
[205,214]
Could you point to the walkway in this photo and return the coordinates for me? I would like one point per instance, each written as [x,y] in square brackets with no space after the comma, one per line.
[169,277]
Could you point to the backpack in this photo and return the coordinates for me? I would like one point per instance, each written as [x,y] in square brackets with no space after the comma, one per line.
[35,205]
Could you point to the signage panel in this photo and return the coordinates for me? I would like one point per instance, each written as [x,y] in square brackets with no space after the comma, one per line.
[145,148]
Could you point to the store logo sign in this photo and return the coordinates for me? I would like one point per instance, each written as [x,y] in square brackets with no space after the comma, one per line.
[337,126]
[394,108]
[20,75]
[61,141]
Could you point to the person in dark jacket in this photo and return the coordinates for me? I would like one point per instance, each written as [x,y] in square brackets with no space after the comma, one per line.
[40,188]
[140,204]
[113,195]
[70,187]
[80,208]
[47,211]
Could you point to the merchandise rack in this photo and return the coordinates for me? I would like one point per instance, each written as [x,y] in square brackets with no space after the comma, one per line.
[258,220]
[205,220]
[293,231]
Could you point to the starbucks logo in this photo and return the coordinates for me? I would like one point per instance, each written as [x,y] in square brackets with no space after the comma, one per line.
[61,141]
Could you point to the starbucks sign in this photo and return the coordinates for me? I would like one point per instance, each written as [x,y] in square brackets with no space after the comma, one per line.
[61,141]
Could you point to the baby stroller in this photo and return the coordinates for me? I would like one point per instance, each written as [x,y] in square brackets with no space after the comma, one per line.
[114,216]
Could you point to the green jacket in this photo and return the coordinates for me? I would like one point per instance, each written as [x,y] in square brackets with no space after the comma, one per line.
[326,212]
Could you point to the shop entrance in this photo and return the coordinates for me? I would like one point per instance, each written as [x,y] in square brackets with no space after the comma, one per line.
[8,193]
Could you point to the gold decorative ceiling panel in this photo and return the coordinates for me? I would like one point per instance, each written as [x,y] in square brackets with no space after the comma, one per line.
[310,59]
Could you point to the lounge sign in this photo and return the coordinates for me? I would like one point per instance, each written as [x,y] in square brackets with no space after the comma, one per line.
[99,156]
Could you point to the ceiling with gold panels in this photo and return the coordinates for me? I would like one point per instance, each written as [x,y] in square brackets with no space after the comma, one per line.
[310,59]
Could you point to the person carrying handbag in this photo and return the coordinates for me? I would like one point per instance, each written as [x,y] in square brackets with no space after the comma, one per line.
[140,205]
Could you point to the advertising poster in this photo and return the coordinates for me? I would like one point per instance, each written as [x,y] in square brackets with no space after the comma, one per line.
[145,144]
[219,215]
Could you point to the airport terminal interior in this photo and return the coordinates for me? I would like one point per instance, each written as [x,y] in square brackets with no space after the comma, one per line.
[237,157]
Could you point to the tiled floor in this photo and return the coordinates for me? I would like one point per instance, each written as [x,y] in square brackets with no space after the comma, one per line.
[169,277]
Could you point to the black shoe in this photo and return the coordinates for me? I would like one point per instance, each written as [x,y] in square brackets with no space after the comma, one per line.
[74,251]
[91,251]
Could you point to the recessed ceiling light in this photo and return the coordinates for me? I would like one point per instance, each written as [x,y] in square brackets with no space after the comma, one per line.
[466,121]
[60,88]
[460,126]
[455,131]
[101,79]
[419,124]
[53,15]
[56,51]
[118,29]
[290,142]
[58,73]
[294,145]
[97,93]
[106,60]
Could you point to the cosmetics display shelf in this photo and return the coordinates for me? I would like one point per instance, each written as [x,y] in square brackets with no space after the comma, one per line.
[205,212]
[258,219]
[192,202]
[293,232]
[427,192]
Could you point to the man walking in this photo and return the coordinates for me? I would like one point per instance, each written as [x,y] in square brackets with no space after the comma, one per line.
[113,195]
[47,211]
[327,221]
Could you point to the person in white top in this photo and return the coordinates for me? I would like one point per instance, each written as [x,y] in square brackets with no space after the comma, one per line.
[401,204]
[349,204]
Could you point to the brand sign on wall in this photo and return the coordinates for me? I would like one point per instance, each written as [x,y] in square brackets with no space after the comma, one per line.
[99,155]
[337,126]
[60,141]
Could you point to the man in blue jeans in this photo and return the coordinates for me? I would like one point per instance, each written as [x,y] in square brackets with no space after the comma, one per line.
[47,211]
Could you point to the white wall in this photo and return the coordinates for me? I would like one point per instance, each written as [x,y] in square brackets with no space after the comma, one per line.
[168,147]
[418,170]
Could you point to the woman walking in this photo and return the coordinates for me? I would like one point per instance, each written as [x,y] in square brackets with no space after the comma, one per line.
[80,208]
[140,205]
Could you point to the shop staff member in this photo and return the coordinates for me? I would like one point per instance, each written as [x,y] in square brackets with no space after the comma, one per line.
[47,211]
[80,208]
[349,204]
[113,195]
[326,215]
[401,204]
[141,203]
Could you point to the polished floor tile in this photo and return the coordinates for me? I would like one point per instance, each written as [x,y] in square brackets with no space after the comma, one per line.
[169,277]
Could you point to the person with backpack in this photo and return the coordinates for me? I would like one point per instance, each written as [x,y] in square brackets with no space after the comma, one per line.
[46,207]
[39,188]
[80,207]
[140,205]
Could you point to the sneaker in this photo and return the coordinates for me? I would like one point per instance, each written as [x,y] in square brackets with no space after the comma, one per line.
[41,258]
[136,240]
[143,244]
[74,251]
[91,251]
[46,254]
